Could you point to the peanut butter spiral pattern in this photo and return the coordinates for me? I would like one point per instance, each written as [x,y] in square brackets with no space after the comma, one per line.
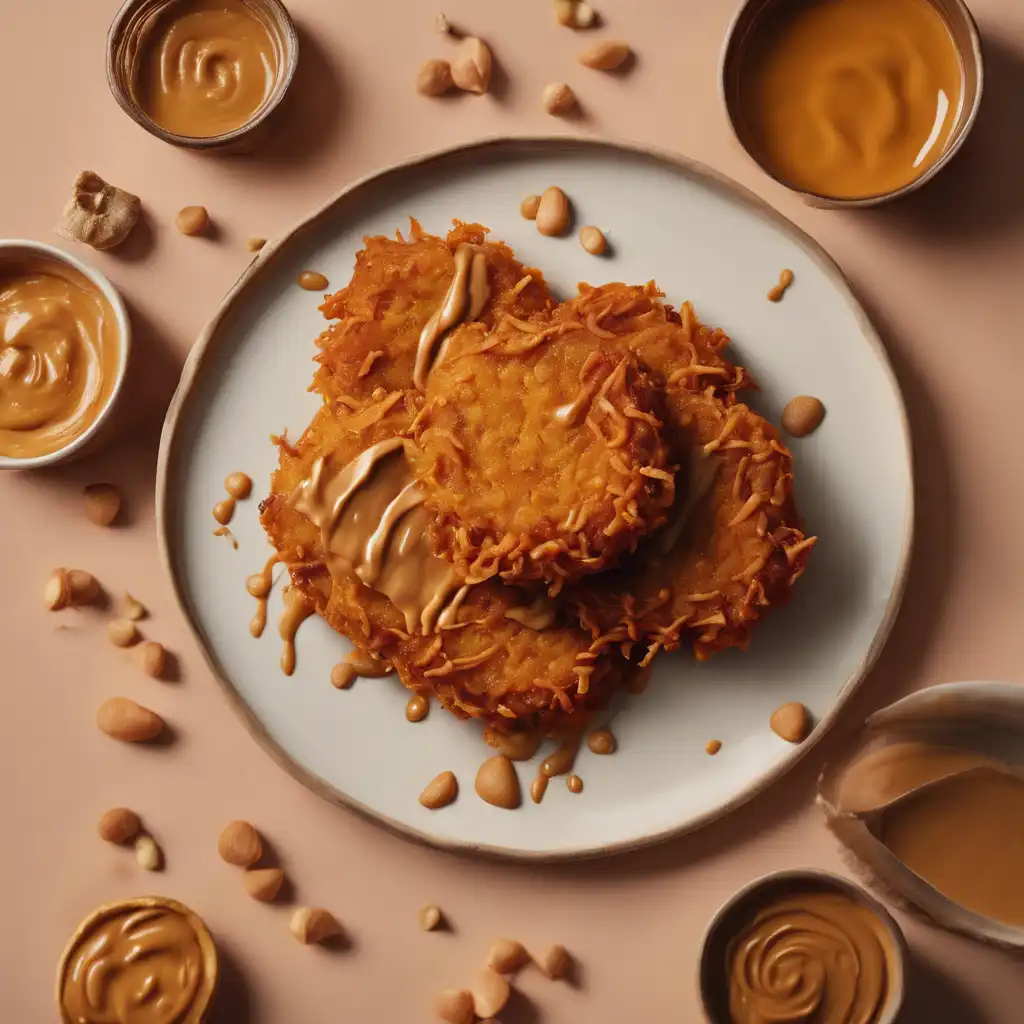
[815,958]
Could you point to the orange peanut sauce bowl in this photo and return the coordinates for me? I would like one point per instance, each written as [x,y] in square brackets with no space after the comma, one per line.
[202,74]
[852,103]
[146,960]
[65,340]
[802,944]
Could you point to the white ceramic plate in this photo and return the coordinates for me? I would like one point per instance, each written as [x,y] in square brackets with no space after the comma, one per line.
[701,237]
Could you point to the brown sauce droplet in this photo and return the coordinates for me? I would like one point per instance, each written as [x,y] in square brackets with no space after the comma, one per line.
[538,788]
[601,741]
[575,784]
[417,708]
[713,747]
[224,510]
[785,280]
[312,281]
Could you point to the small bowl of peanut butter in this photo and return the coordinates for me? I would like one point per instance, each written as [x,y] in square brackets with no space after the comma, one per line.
[852,102]
[802,945]
[65,337]
[202,74]
[138,961]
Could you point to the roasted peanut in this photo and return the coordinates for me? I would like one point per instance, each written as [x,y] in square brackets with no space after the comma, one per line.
[490,993]
[506,956]
[192,220]
[791,722]
[122,632]
[498,784]
[554,962]
[147,853]
[434,78]
[102,503]
[119,825]
[240,844]
[153,658]
[125,720]
[558,98]
[553,214]
[606,55]
[440,792]
[430,917]
[263,884]
[592,239]
[314,924]
[472,66]
[802,415]
[454,1005]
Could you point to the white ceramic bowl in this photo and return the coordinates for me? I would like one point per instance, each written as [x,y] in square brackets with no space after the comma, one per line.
[22,248]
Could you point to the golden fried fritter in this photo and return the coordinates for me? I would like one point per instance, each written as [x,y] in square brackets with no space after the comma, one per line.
[540,453]
[487,664]
[734,545]
[395,289]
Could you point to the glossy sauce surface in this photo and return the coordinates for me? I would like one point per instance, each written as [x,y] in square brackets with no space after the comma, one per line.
[849,98]
[60,348]
[137,966]
[205,67]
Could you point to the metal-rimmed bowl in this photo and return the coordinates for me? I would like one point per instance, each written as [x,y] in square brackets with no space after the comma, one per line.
[126,33]
[22,250]
[712,979]
[966,39]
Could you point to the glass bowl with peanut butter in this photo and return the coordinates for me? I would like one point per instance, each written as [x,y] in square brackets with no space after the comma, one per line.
[147,960]
[202,74]
[65,337]
[802,947]
[852,102]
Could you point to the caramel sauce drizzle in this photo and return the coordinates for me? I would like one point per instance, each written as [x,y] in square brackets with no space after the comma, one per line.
[296,610]
[259,585]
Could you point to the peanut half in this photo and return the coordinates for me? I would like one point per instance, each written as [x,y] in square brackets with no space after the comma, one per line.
[314,924]
[430,917]
[192,220]
[490,993]
[122,632]
[263,884]
[592,239]
[147,853]
[553,214]
[454,1005]
[554,962]
[119,825]
[498,784]
[472,66]
[574,14]
[607,55]
[240,844]
[125,720]
[434,78]
[506,956]
[102,503]
[153,658]
[558,99]
[440,791]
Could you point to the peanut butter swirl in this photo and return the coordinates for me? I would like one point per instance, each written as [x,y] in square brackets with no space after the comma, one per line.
[812,958]
[144,962]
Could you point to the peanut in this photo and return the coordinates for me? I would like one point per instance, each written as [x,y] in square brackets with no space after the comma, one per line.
[102,503]
[454,1005]
[238,485]
[153,658]
[558,98]
[430,917]
[802,415]
[263,884]
[122,632]
[132,609]
[147,853]
[440,791]
[312,281]
[592,239]
[498,784]
[314,924]
[529,206]
[119,825]
[574,14]
[434,78]
[254,243]
[240,844]
[442,26]
[192,220]
[554,962]
[791,722]
[607,55]
[85,588]
[472,66]
[490,993]
[553,213]
[125,720]
[506,956]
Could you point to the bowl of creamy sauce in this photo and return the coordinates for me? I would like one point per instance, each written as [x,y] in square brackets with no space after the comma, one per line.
[203,74]
[148,960]
[64,343]
[852,102]
[802,947]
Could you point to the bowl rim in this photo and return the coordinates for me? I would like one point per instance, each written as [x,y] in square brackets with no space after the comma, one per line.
[203,142]
[877,198]
[820,877]
[113,296]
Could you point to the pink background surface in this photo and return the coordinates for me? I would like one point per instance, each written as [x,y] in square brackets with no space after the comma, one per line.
[943,276]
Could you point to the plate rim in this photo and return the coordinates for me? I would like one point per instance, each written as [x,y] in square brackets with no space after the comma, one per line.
[516,144]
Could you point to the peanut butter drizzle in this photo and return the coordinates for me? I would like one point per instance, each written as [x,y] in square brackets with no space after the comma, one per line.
[785,280]
[312,281]
[296,610]
[558,763]
[367,666]
[964,835]
[572,413]
[372,523]
[238,485]
[259,585]
[205,67]
[136,967]
[465,299]
[539,615]
[60,347]
[810,958]
[224,510]
[516,746]
[225,531]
